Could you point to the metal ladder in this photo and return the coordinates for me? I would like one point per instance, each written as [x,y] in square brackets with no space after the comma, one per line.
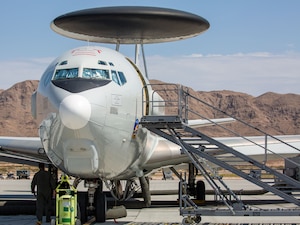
[198,146]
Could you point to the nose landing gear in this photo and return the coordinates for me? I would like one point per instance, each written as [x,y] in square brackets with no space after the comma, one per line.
[93,202]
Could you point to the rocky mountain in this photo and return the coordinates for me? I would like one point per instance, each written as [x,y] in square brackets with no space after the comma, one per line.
[15,110]
[270,112]
[275,114]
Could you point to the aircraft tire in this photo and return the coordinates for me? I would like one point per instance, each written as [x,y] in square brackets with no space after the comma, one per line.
[100,206]
[82,205]
[200,190]
[78,222]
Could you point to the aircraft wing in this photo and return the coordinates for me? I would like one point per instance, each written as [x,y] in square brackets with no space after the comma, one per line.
[203,123]
[288,146]
[25,150]
[168,154]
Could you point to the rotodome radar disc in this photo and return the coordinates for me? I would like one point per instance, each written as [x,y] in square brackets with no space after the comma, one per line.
[129,25]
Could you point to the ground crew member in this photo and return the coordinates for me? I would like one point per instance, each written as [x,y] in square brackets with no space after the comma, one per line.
[45,185]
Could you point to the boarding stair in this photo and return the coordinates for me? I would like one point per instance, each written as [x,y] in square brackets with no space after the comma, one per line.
[207,153]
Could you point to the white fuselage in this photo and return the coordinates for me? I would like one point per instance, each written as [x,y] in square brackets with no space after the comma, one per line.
[89,124]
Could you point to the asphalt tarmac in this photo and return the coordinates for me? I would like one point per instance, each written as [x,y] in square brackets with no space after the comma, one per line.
[163,211]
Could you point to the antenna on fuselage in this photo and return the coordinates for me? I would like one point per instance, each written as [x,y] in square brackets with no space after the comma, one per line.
[136,25]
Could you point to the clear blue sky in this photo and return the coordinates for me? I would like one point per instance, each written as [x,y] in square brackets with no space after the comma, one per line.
[252,46]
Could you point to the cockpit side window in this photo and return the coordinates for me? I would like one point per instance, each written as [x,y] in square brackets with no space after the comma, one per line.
[122,77]
[89,73]
[47,76]
[66,73]
[118,77]
[114,77]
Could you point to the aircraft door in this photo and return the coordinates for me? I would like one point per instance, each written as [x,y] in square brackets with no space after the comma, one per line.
[145,97]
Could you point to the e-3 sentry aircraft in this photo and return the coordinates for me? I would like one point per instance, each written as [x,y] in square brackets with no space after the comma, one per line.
[89,103]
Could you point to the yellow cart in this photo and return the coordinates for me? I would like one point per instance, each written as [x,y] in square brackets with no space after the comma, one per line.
[66,204]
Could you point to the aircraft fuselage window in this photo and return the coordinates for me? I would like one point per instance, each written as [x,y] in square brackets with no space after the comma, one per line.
[66,73]
[95,73]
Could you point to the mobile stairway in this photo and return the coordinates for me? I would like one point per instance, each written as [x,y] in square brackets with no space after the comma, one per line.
[207,153]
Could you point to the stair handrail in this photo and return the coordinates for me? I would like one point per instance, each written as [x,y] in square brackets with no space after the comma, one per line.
[237,119]
[187,94]
[182,105]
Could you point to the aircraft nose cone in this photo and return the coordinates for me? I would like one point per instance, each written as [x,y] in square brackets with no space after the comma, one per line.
[75,111]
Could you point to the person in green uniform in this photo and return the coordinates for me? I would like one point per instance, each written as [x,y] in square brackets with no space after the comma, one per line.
[45,186]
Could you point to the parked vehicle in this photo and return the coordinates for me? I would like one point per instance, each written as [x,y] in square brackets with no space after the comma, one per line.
[23,174]
[10,176]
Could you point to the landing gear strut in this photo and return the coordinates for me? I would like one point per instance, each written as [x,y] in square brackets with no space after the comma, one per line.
[195,189]
[144,182]
[94,202]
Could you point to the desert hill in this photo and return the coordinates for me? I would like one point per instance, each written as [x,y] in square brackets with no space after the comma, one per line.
[15,110]
[271,112]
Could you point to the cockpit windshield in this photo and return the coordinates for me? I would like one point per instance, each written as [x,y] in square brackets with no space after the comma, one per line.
[87,73]
[66,74]
[95,73]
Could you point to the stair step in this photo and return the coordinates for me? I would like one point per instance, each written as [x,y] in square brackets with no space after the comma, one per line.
[213,151]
